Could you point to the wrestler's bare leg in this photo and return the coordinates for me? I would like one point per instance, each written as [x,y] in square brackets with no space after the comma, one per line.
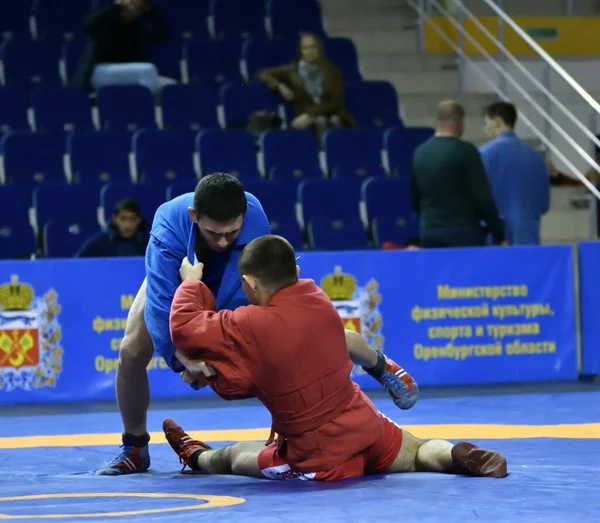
[442,456]
[240,459]
[402,387]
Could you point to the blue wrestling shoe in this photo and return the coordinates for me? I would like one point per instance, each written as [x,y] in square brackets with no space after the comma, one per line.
[130,461]
[400,384]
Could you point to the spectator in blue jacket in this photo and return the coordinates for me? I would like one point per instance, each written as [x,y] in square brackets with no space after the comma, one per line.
[125,235]
[518,176]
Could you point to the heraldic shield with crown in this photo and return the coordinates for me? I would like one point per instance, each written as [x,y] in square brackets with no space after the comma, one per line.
[357,306]
[30,337]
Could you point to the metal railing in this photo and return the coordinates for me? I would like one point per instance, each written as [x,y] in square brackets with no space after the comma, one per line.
[427,8]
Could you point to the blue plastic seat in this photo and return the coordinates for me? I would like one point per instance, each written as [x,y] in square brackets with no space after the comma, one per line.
[279,203]
[344,234]
[213,63]
[58,17]
[33,158]
[231,151]
[342,52]
[290,17]
[100,157]
[373,104]
[150,197]
[163,156]
[61,109]
[291,148]
[64,236]
[126,107]
[17,240]
[18,199]
[71,201]
[13,109]
[400,230]
[331,199]
[386,198]
[259,54]
[238,19]
[14,19]
[240,101]
[30,62]
[186,18]
[359,149]
[400,144]
[179,187]
[189,107]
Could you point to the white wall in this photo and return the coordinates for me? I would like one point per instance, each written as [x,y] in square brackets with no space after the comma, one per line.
[585,72]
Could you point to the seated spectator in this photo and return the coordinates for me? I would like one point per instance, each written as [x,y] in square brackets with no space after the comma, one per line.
[117,50]
[313,85]
[125,235]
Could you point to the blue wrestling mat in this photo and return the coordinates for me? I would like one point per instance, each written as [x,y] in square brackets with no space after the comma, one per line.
[551,441]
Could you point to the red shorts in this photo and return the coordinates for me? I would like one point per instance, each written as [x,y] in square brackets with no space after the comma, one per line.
[375,459]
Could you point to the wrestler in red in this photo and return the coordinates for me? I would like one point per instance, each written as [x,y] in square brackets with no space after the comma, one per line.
[288,349]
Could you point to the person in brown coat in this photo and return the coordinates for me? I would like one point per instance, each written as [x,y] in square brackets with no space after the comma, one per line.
[313,85]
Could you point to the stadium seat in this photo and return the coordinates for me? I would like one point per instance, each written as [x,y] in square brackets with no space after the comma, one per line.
[359,149]
[240,101]
[295,176]
[70,56]
[237,19]
[386,197]
[163,156]
[345,172]
[259,54]
[128,107]
[189,107]
[150,197]
[13,109]
[186,18]
[289,148]
[400,230]
[58,17]
[231,151]
[32,158]
[166,55]
[279,203]
[213,63]
[14,19]
[17,240]
[63,237]
[373,104]
[346,234]
[342,52]
[59,108]
[400,144]
[29,62]
[99,158]
[331,199]
[99,4]
[290,17]
[15,201]
[72,201]
[179,187]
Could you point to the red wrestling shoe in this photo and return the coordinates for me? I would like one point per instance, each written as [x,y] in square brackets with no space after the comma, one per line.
[470,460]
[400,384]
[184,446]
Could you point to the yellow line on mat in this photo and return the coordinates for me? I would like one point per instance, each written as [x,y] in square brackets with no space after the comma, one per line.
[467,431]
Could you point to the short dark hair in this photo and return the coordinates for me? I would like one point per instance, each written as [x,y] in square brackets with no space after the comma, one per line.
[506,111]
[220,197]
[128,204]
[271,259]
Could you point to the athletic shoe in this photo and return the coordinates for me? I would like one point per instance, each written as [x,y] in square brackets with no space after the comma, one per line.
[130,461]
[400,384]
[470,460]
[184,446]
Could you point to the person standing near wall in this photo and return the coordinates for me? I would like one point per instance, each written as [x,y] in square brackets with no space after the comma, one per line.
[449,188]
[518,176]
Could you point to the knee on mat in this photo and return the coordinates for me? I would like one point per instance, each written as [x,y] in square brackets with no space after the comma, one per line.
[238,462]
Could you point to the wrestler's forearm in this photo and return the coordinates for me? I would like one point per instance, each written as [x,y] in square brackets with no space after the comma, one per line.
[360,352]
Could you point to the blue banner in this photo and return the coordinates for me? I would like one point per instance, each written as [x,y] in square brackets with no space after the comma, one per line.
[589,292]
[451,317]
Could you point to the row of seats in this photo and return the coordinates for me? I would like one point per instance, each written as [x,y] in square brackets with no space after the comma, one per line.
[201,18]
[210,62]
[160,157]
[323,214]
[374,104]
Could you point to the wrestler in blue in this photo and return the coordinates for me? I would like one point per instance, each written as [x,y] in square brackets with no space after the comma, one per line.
[211,226]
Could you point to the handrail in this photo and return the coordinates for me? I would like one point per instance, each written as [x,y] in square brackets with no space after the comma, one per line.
[547,58]
[495,88]
[536,82]
[523,93]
